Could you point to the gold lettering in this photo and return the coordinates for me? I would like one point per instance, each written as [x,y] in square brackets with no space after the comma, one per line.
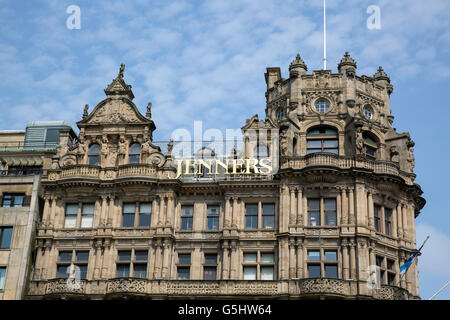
[188,166]
[248,166]
[223,165]
[264,165]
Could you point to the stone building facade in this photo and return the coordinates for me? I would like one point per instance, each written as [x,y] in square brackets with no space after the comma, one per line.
[341,204]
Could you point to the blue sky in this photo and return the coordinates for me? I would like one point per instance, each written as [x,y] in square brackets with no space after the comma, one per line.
[205,60]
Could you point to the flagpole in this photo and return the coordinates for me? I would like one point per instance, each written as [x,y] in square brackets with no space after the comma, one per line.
[324,34]
[401,278]
[434,295]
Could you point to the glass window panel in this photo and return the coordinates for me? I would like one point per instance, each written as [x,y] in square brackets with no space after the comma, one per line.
[124,255]
[330,256]
[65,256]
[330,131]
[145,219]
[88,208]
[93,160]
[390,264]
[314,219]
[123,270]
[87,221]
[6,236]
[128,220]
[2,277]
[250,257]
[140,270]
[314,143]
[331,271]
[268,221]
[187,211]
[249,273]
[335,151]
[391,279]
[52,135]
[18,200]
[330,204]
[183,273]
[94,149]
[330,218]
[6,202]
[135,148]
[63,271]
[378,261]
[82,255]
[209,273]
[314,131]
[330,143]
[83,270]
[72,209]
[186,223]
[268,208]
[210,258]
[184,258]
[134,158]
[314,255]
[70,222]
[251,222]
[251,209]
[266,273]
[213,210]
[313,271]
[213,223]
[129,207]
[267,257]
[314,204]
[141,255]
[145,207]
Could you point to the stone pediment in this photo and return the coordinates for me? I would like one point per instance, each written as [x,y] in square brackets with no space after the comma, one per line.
[255,123]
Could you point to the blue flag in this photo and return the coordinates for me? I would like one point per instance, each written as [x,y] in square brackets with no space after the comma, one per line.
[404,267]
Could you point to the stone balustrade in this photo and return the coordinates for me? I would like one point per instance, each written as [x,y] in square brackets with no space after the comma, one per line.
[133,170]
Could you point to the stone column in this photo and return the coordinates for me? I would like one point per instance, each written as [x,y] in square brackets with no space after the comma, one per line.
[405,222]
[292,206]
[227,212]
[411,223]
[53,216]
[170,211]
[402,261]
[107,252]
[98,259]
[166,260]
[233,264]
[225,260]
[235,214]
[300,207]
[353,260]
[345,259]
[344,207]
[292,260]
[351,207]
[370,211]
[158,258]
[161,210]
[338,208]
[399,220]
[103,212]
[372,260]
[300,259]
[394,222]
[45,216]
[361,204]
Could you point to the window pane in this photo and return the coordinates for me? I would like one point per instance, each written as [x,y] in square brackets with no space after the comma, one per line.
[330,256]
[331,271]
[145,219]
[249,257]
[18,200]
[266,273]
[129,207]
[186,223]
[87,221]
[71,209]
[141,255]
[249,273]
[94,149]
[267,257]
[83,271]
[183,273]
[2,277]
[313,271]
[93,160]
[184,258]
[70,222]
[213,210]
[314,255]
[313,204]
[330,143]
[63,271]
[209,273]
[123,270]
[390,264]
[124,255]
[330,218]
[335,151]
[213,223]
[65,256]
[251,209]
[128,220]
[314,144]
[145,207]
[251,222]
[187,211]
[134,158]
[140,270]
[135,148]
[378,261]
[82,255]
[268,221]
[210,258]
[391,278]
[330,204]
[5,241]
[314,219]
[88,208]
[7,199]
[268,208]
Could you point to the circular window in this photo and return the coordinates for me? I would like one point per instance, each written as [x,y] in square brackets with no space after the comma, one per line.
[368,112]
[322,106]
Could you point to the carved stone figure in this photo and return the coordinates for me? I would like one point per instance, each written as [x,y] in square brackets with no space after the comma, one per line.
[394,154]
[149,110]
[411,160]
[359,141]
[122,69]
[170,147]
[85,112]
[284,143]
[122,147]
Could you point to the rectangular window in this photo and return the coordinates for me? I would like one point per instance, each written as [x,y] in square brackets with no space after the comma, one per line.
[140,270]
[123,270]
[82,258]
[6,234]
[378,261]
[268,215]
[330,256]
[391,279]
[183,273]
[266,273]
[390,264]
[213,217]
[124,255]
[251,216]
[184,258]
[314,212]
[330,212]
[65,256]
[376,216]
[267,258]
[249,273]
[249,257]
[331,271]
[141,255]
[13,200]
[187,213]
[63,271]
[87,215]
[387,221]
[313,271]
[128,215]
[313,255]
[210,258]
[258,261]
[209,273]
[145,214]
[2,277]
[71,216]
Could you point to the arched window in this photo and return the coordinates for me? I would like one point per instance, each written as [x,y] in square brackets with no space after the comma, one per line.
[134,155]
[94,154]
[322,139]
[370,145]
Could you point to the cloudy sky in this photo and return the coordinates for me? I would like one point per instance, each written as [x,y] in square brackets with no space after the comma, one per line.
[205,60]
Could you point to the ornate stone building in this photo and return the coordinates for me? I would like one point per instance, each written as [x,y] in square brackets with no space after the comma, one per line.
[341,202]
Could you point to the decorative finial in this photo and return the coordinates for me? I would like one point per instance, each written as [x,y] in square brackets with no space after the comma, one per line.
[85,112]
[122,69]
[149,110]
[170,147]
[381,75]
[296,66]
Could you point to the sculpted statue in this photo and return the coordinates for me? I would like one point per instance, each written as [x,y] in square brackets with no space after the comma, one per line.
[359,141]
[170,147]
[85,112]
[394,154]
[149,110]
[411,160]
[122,147]
[284,143]
[104,149]
[122,69]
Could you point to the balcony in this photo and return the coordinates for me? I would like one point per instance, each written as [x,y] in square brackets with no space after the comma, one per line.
[137,170]
[79,171]
[119,287]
